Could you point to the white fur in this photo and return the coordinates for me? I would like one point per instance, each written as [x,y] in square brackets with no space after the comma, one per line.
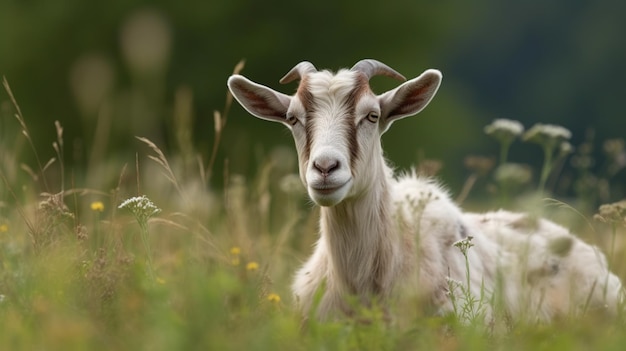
[382,236]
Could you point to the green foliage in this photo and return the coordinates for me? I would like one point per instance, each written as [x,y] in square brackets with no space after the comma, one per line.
[524,60]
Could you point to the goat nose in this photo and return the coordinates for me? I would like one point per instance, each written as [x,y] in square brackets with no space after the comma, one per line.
[326,165]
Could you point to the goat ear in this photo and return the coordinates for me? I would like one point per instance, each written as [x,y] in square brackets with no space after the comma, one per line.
[259,100]
[410,97]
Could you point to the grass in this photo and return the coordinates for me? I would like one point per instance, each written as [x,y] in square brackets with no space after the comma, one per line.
[201,268]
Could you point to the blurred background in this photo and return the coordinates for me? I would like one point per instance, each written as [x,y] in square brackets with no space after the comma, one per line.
[108,71]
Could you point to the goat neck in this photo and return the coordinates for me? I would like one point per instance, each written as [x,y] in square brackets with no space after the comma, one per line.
[358,232]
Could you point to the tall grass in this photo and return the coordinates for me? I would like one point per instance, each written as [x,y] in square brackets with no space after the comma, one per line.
[212,268]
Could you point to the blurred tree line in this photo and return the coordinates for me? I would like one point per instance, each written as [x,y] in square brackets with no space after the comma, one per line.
[111,70]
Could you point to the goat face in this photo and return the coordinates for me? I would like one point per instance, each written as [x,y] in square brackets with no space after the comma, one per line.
[337,121]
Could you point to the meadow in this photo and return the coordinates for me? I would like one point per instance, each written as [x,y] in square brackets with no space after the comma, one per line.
[146,255]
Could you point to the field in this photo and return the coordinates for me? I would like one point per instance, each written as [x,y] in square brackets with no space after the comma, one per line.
[147,256]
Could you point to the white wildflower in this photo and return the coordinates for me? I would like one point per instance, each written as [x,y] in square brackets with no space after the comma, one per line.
[453,285]
[505,131]
[503,127]
[557,131]
[547,134]
[549,137]
[141,207]
[464,244]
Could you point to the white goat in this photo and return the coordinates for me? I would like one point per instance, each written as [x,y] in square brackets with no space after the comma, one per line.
[380,235]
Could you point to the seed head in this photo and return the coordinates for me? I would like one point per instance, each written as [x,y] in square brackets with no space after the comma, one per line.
[612,213]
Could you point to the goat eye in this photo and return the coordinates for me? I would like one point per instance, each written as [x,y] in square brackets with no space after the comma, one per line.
[372,117]
[291,119]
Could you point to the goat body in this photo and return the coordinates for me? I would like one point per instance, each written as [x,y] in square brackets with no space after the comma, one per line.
[381,236]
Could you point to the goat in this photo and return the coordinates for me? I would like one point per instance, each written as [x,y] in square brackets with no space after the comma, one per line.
[383,236]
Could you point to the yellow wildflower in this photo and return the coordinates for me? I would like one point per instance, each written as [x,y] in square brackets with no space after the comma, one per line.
[252,266]
[274,298]
[97,206]
[235,251]
[160,280]
[4,228]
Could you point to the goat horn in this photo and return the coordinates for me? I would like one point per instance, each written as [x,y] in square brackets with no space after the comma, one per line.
[372,68]
[298,72]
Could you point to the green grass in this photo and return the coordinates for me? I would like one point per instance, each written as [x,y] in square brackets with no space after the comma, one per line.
[211,270]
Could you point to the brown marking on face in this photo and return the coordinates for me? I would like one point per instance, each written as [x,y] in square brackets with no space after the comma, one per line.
[361,88]
[305,96]
[306,99]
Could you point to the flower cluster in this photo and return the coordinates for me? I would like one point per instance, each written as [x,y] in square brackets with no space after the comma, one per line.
[504,130]
[547,134]
[235,259]
[464,244]
[141,207]
[549,137]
